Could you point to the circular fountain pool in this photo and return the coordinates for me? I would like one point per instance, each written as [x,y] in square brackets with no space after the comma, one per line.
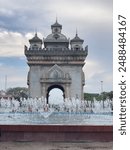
[56,119]
[71,112]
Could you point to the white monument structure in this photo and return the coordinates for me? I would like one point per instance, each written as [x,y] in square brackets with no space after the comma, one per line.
[56,62]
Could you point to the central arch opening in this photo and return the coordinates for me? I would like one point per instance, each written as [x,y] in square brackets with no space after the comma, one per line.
[55,94]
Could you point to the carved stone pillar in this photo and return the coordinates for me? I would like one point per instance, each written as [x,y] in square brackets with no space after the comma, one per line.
[43,89]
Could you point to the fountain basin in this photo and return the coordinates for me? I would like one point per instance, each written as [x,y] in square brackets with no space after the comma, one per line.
[74,120]
[56,118]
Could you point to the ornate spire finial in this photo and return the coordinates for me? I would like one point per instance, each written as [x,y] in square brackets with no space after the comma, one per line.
[56,18]
[35,31]
[76,32]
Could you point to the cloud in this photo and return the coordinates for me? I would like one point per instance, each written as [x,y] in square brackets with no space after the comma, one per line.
[6,12]
[12,43]
[28,15]
[82,10]
[91,68]
[95,72]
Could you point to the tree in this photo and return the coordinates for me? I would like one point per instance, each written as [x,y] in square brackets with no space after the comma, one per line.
[110,95]
[106,95]
[18,92]
[90,96]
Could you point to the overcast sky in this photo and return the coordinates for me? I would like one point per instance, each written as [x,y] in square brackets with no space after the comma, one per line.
[19,19]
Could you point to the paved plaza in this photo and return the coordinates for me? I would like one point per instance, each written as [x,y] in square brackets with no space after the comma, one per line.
[56,146]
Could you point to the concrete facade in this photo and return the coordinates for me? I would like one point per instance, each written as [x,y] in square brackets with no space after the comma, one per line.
[55,65]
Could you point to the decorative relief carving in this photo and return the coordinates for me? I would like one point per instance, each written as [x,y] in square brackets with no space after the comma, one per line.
[56,72]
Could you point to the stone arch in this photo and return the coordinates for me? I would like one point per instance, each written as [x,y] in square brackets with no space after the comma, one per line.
[52,87]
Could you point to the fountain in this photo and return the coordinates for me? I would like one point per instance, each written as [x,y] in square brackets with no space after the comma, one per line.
[73,111]
[73,119]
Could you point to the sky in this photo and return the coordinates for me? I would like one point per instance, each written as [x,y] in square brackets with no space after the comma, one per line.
[20,19]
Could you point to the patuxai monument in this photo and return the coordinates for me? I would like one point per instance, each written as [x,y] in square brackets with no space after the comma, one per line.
[56,62]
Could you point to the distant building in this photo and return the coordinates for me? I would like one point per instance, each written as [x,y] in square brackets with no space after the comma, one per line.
[56,65]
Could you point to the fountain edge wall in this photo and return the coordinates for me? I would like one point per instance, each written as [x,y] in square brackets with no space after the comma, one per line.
[51,133]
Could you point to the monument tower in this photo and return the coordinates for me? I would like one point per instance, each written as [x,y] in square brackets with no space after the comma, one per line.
[56,62]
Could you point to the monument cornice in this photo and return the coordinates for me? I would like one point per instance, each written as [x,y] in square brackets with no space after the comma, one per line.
[56,58]
[55,62]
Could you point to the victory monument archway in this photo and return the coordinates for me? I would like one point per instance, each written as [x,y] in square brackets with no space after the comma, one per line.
[53,87]
[56,61]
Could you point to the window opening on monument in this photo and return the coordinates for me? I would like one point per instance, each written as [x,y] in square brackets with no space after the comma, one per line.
[56,96]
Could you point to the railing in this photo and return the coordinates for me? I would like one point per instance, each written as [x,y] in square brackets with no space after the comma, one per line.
[56,51]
